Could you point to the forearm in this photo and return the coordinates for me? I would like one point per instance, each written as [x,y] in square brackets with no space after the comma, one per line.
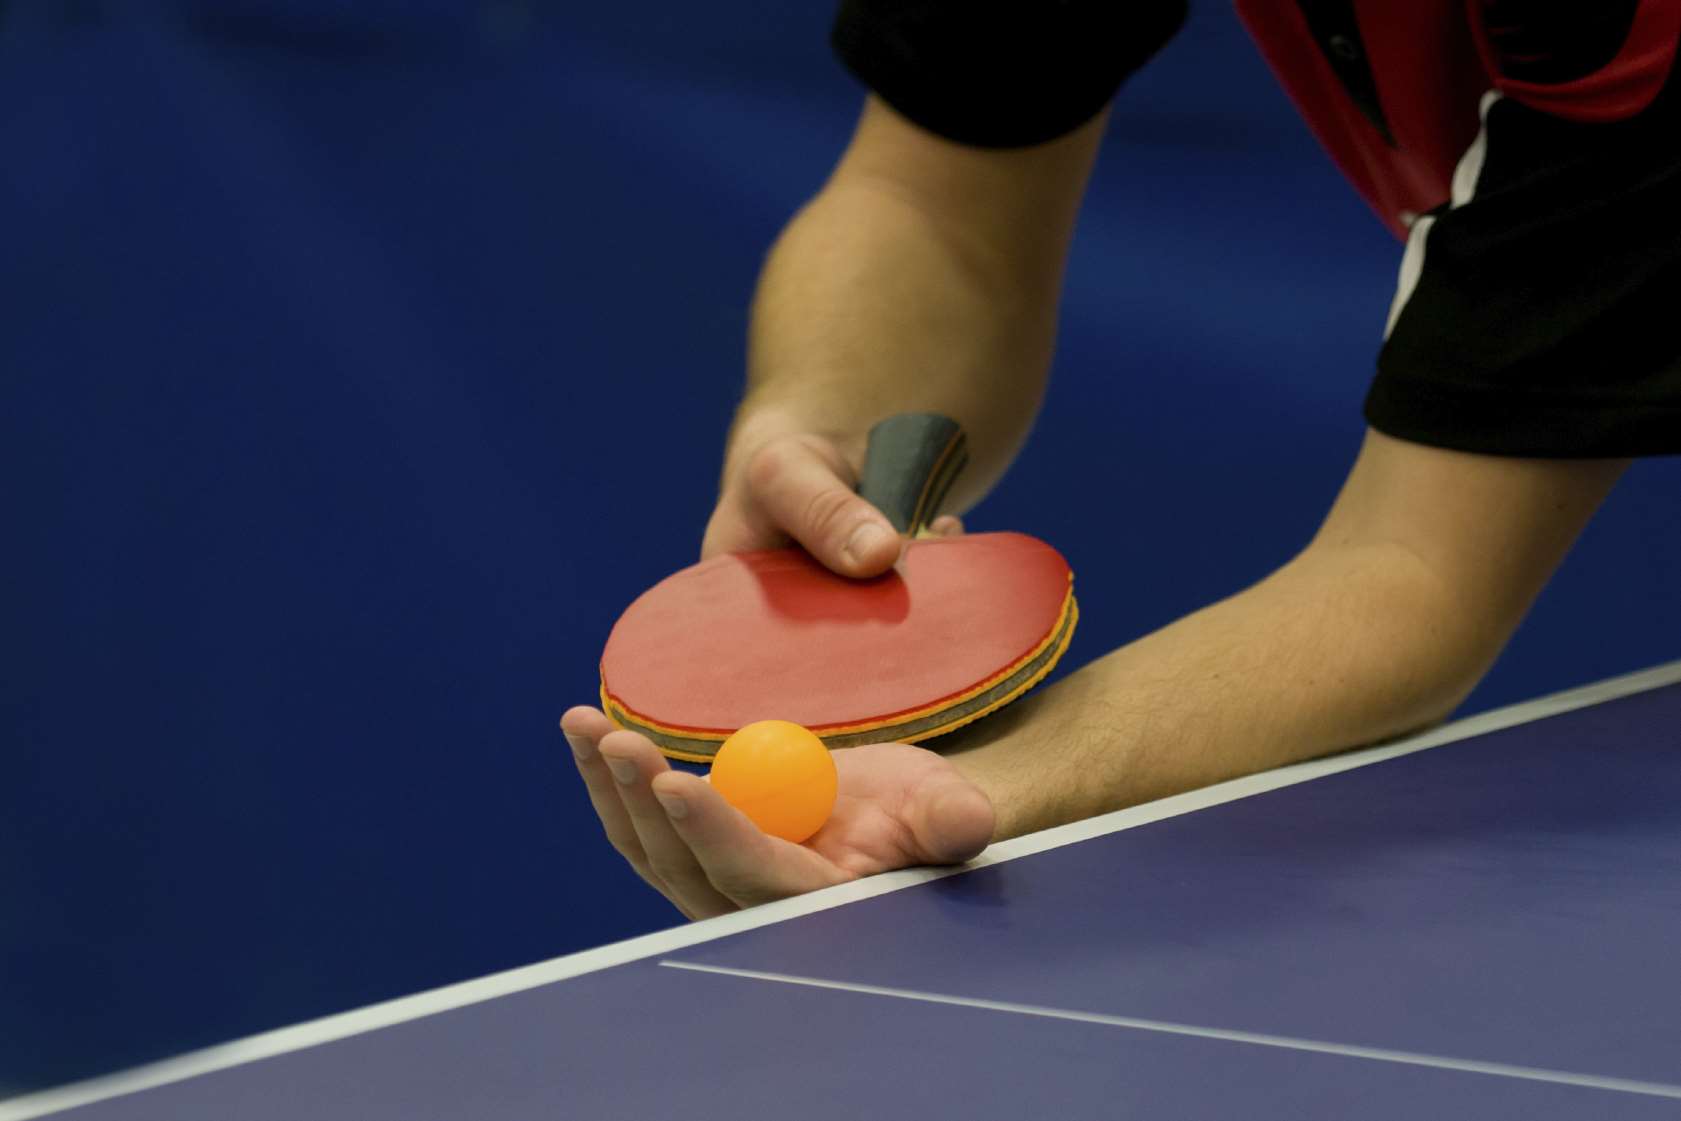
[867,308]
[1341,647]
[923,277]
[1423,568]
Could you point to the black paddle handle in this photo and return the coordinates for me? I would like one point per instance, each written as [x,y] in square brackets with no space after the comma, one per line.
[910,464]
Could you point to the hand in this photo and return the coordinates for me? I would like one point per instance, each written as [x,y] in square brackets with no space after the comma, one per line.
[800,487]
[898,806]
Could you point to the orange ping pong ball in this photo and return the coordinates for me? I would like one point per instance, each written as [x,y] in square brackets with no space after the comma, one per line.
[780,775]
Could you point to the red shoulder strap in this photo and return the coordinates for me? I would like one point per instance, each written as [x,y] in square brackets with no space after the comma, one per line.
[1427,74]
[1619,89]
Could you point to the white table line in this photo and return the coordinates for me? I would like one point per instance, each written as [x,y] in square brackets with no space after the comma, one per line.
[1225,1035]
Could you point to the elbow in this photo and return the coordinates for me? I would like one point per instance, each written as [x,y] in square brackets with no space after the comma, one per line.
[1419,640]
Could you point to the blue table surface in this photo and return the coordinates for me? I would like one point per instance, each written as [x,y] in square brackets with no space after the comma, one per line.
[1511,900]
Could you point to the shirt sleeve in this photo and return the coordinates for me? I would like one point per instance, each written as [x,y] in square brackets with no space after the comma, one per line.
[1000,73]
[1537,309]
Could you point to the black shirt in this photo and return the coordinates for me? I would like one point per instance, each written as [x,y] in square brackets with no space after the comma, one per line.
[1534,314]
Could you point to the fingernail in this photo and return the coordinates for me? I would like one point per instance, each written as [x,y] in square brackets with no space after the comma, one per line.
[623,770]
[673,805]
[866,537]
[582,750]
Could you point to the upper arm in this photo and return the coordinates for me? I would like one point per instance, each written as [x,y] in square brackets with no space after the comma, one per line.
[1021,202]
[987,117]
[1486,531]
[1008,74]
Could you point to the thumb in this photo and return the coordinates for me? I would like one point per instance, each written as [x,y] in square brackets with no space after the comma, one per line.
[950,820]
[802,485]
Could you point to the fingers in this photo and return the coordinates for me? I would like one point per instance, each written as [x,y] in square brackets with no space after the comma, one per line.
[633,761]
[677,832]
[946,525]
[745,865]
[584,729]
[737,526]
[803,486]
[703,854]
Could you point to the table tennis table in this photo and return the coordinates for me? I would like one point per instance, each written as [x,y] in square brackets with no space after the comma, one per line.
[1483,921]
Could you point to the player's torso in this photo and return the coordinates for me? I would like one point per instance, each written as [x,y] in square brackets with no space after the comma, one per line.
[1392,87]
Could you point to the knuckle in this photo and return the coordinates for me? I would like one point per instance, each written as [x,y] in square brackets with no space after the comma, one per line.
[628,848]
[825,512]
[739,887]
[640,867]
[669,871]
[768,464]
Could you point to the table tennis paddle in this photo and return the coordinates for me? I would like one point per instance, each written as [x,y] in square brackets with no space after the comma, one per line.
[959,627]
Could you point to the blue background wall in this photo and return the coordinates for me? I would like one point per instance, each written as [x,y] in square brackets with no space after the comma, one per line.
[359,361]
